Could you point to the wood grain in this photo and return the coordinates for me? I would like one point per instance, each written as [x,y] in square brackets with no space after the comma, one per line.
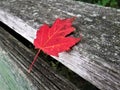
[11,77]
[42,77]
[97,57]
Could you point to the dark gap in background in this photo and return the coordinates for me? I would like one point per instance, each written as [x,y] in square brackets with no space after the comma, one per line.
[55,65]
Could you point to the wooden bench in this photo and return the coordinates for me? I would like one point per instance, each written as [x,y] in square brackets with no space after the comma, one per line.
[96,58]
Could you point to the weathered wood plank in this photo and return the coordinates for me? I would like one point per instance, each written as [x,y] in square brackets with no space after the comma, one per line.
[97,57]
[43,78]
[11,77]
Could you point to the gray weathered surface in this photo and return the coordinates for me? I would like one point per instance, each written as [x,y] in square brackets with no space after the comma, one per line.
[42,77]
[97,57]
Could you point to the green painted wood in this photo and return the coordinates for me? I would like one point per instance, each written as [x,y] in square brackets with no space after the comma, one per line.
[11,77]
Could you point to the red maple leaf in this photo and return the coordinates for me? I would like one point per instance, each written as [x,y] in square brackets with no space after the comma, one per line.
[53,40]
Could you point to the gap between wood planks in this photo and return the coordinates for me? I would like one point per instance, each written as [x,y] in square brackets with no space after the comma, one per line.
[74,78]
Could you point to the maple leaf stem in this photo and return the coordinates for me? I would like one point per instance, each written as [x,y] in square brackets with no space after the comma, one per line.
[35,58]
